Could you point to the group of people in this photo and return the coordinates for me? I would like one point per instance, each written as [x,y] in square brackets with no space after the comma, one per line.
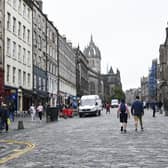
[33,110]
[137,112]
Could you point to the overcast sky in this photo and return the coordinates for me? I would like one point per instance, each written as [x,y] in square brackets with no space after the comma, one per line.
[127,32]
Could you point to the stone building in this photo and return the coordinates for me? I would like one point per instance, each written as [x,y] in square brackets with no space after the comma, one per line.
[52,66]
[2,20]
[82,78]
[93,55]
[131,94]
[67,71]
[163,73]
[18,52]
[39,54]
[110,81]
[144,89]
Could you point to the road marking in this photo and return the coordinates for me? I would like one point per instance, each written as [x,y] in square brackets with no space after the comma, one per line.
[16,152]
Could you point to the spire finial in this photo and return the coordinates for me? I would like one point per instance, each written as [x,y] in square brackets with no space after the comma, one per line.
[91,39]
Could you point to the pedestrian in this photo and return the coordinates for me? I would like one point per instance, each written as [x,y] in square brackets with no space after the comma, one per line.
[137,111]
[32,112]
[11,110]
[4,111]
[123,113]
[40,110]
[153,107]
[160,106]
[107,108]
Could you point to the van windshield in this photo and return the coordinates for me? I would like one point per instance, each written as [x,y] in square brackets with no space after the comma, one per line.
[89,102]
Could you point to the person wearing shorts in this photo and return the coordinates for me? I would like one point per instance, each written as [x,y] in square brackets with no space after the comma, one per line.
[123,114]
[137,111]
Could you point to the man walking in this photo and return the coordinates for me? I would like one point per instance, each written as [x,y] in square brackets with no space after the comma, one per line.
[137,111]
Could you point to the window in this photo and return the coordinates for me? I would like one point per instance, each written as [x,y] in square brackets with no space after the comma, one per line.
[35,59]
[19,29]
[24,78]
[35,39]
[19,53]
[24,10]
[20,6]
[28,58]
[8,47]
[35,82]
[40,86]
[14,75]
[8,73]
[14,25]
[14,49]
[19,77]
[24,32]
[28,36]
[28,79]
[8,21]
[28,13]
[14,4]
[44,84]
[24,56]
[40,42]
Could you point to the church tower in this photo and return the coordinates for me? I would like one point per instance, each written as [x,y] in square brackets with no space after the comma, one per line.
[93,54]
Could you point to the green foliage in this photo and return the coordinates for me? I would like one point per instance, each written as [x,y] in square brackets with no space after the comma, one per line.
[117,93]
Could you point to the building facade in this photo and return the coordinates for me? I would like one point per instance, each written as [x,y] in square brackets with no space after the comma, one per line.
[144,89]
[152,81]
[93,55]
[82,78]
[52,66]
[40,93]
[18,52]
[111,80]
[67,71]
[163,73]
[2,28]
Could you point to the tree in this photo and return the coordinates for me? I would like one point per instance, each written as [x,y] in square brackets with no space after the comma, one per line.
[117,93]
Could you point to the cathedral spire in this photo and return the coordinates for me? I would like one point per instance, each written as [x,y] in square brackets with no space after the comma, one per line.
[91,38]
[111,70]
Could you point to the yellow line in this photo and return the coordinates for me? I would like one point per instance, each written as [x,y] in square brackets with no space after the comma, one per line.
[29,147]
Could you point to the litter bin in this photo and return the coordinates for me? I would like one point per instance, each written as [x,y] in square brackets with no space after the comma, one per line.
[52,114]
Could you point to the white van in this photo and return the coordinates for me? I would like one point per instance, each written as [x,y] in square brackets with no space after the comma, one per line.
[114,103]
[90,105]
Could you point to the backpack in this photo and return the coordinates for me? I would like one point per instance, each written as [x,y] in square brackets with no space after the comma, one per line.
[122,108]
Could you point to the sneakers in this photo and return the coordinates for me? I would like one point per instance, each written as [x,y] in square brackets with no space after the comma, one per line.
[136,129]
[125,131]
[121,128]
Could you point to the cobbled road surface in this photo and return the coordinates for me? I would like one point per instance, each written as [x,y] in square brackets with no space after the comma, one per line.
[94,142]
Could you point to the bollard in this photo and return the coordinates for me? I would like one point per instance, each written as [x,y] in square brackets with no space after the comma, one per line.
[20,124]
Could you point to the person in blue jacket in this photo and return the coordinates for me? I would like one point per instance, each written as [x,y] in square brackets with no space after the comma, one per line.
[137,111]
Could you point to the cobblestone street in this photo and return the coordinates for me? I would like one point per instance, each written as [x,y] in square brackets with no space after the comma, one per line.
[92,142]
